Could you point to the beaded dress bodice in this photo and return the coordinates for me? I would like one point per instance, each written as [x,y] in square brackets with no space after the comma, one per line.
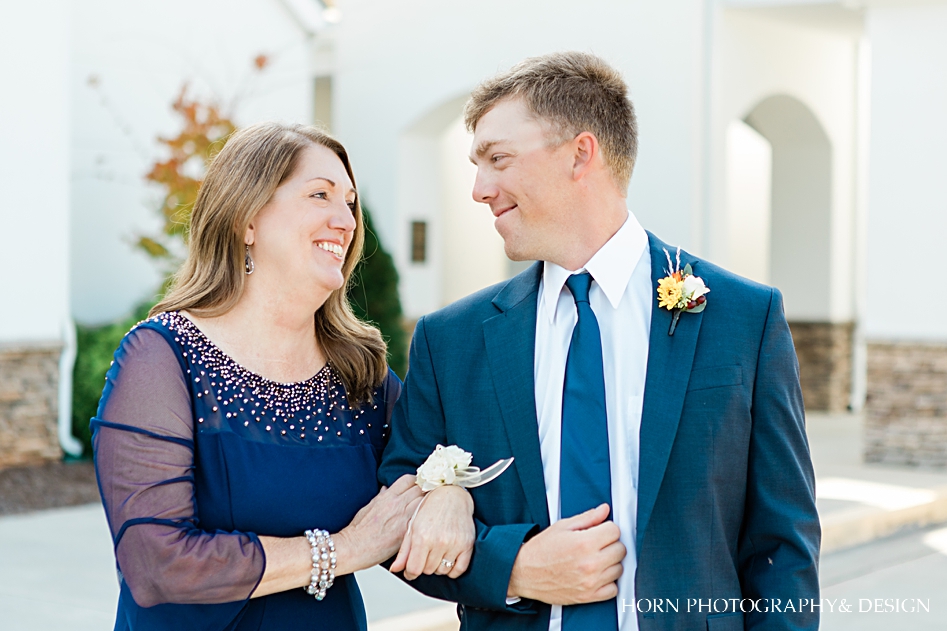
[271,412]
[198,456]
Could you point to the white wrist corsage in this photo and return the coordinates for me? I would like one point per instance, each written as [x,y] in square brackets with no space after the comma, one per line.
[451,466]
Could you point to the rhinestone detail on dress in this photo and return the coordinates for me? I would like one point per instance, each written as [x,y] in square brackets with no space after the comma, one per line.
[244,398]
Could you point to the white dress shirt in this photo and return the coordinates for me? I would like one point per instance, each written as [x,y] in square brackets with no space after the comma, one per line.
[621,298]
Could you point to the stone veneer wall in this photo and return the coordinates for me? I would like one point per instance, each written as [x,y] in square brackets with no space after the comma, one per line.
[824,350]
[29,404]
[906,407]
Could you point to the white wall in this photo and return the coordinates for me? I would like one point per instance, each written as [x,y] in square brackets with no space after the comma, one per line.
[907,203]
[34,170]
[802,210]
[138,55]
[473,249]
[419,197]
[756,55]
[397,62]
[749,201]
[464,252]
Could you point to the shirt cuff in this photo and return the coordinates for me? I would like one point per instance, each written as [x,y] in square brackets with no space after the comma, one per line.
[512,601]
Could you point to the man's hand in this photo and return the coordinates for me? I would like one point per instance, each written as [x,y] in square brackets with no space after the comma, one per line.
[442,530]
[576,560]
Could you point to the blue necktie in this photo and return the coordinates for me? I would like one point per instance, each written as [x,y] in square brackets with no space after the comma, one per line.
[584,474]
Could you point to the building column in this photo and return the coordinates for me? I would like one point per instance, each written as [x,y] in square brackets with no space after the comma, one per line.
[906,310]
[824,350]
[906,411]
[29,393]
[34,213]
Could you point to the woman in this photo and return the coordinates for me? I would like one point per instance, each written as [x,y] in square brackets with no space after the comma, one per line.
[234,420]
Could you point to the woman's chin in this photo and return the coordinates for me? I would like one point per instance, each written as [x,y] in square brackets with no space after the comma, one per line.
[329,282]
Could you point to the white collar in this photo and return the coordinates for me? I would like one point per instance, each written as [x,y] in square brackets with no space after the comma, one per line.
[611,267]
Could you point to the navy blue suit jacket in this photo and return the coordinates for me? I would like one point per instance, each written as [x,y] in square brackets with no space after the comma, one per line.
[726,494]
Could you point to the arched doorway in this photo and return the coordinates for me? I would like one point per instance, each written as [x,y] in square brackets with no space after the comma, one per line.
[801,204]
[780,198]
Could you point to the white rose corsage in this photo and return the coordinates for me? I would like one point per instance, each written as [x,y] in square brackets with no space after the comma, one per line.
[451,466]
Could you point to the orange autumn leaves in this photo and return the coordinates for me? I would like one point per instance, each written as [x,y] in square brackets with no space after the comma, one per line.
[205,130]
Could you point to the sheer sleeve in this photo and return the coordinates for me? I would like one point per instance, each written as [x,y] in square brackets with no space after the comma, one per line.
[144,457]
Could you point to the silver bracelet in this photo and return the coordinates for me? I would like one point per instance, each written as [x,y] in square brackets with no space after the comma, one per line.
[323,563]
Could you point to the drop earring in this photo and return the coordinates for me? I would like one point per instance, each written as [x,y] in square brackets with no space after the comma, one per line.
[248,265]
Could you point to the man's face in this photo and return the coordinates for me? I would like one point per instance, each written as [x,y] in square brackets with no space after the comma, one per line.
[524,178]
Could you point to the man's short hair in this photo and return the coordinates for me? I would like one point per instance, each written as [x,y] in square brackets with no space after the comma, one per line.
[573,92]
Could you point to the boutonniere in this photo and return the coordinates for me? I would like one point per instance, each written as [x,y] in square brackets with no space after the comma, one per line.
[680,291]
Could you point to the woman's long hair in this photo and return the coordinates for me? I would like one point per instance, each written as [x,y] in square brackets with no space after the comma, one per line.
[240,181]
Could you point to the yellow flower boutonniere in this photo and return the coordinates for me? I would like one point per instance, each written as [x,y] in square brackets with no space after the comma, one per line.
[680,291]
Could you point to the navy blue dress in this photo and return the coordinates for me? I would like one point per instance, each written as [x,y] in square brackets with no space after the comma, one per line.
[197,457]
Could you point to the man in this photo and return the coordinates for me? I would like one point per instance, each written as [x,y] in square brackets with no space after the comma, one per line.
[660,481]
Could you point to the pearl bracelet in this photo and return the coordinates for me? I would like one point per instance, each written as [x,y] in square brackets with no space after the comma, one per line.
[323,563]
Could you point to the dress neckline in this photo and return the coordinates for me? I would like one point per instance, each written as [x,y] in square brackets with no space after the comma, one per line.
[187,323]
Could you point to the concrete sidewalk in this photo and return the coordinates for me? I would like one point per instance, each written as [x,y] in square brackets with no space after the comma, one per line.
[57,571]
[861,502]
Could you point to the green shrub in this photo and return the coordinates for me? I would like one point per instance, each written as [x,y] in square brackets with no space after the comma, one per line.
[95,347]
[373,294]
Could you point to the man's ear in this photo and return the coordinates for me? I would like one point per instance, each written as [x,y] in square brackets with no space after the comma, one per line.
[585,149]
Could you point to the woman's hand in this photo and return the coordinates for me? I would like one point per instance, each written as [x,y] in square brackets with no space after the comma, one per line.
[374,535]
[443,530]
[378,529]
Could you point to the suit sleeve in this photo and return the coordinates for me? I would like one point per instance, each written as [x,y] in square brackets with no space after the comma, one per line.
[417,426]
[779,544]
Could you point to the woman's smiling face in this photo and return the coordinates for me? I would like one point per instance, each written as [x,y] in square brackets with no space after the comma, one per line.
[303,234]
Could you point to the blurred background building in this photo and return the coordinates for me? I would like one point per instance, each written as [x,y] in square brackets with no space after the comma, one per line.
[798,143]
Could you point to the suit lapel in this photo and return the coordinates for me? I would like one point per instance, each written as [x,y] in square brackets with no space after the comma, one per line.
[510,339]
[670,359]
